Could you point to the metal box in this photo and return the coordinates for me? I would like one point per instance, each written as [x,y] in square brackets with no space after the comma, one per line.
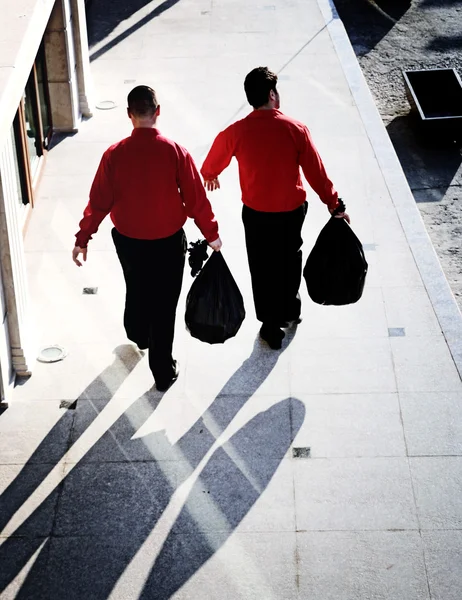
[436,94]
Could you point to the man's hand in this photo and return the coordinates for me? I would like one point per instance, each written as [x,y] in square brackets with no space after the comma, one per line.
[343,215]
[216,245]
[83,251]
[211,184]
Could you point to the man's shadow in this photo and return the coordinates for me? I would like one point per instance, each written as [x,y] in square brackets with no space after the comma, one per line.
[57,442]
[110,502]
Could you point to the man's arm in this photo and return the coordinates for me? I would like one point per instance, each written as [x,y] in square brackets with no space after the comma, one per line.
[218,158]
[195,199]
[315,173]
[99,205]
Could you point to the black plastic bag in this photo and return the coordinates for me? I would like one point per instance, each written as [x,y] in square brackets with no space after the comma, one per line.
[214,306]
[335,271]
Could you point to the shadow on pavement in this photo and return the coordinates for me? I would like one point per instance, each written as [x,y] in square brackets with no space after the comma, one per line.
[57,442]
[103,16]
[429,162]
[432,3]
[445,43]
[368,21]
[85,534]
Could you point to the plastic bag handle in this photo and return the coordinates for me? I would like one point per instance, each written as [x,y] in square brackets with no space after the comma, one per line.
[339,209]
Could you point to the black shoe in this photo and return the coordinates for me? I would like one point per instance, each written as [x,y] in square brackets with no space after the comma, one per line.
[140,344]
[163,385]
[272,335]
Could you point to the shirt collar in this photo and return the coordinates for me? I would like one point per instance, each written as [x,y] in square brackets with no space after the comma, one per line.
[145,132]
[264,113]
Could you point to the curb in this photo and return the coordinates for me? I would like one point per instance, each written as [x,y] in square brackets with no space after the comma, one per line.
[434,280]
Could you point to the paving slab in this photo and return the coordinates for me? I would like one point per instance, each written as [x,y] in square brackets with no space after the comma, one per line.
[354,494]
[351,425]
[362,565]
[35,486]
[432,423]
[18,557]
[114,500]
[35,432]
[437,483]
[443,553]
[243,566]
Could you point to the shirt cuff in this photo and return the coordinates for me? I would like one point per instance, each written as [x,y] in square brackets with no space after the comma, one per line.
[332,203]
[208,176]
[81,240]
[211,237]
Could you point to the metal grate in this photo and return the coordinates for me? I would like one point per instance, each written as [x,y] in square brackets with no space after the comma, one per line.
[69,404]
[396,332]
[301,452]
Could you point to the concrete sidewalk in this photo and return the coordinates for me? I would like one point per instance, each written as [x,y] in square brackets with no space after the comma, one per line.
[196,494]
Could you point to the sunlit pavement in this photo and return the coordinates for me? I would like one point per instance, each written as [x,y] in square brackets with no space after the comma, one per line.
[329,470]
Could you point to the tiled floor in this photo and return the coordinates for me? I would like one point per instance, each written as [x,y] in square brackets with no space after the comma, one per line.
[195,494]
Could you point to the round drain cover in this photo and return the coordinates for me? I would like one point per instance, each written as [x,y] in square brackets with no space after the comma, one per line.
[106,105]
[51,354]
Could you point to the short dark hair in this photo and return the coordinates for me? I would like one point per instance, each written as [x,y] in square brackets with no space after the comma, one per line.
[142,101]
[258,84]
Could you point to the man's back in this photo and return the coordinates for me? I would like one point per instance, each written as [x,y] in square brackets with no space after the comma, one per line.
[143,172]
[270,148]
[150,185]
[267,146]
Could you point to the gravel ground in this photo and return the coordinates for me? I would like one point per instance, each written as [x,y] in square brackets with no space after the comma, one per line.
[390,36]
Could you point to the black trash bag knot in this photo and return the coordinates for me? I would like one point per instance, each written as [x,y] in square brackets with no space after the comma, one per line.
[340,208]
[197,256]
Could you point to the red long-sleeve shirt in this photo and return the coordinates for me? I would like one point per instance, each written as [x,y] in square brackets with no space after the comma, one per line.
[149,185]
[270,149]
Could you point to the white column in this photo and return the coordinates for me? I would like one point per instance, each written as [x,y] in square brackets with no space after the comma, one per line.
[61,68]
[14,277]
[82,55]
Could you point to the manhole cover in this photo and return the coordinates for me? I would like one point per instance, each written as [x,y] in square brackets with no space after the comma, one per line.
[51,354]
[106,105]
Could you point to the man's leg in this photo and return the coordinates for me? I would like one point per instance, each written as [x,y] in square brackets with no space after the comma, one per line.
[165,274]
[265,254]
[136,314]
[293,223]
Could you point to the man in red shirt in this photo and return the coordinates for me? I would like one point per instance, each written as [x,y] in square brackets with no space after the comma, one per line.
[270,149]
[149,185]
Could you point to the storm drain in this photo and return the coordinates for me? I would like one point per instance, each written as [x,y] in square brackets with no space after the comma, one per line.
[301,452]
[396,332]
[69,404]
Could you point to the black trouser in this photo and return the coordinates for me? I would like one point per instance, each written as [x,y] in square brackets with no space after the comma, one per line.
[275,260]
[153,271]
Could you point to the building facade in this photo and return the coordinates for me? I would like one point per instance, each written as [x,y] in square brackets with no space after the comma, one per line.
[44,88]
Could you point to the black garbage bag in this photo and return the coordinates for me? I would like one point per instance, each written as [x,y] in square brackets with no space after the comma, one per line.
[214,305]
[335,271]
